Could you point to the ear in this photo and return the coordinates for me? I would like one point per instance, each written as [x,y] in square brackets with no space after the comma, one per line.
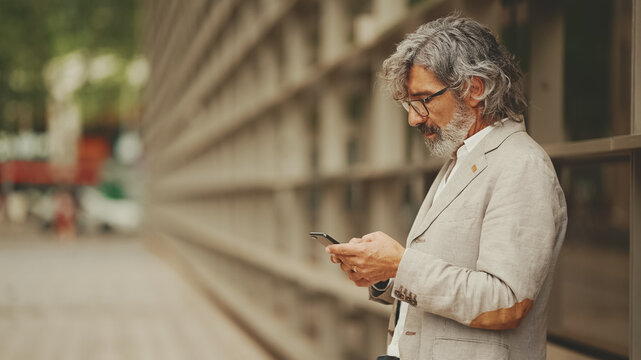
[475,91]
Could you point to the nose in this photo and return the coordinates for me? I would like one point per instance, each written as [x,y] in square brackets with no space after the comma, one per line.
[414,119]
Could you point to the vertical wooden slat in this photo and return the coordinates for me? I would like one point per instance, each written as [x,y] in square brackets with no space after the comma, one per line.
[636,68]
[545,112]
[635,203]
[635,258]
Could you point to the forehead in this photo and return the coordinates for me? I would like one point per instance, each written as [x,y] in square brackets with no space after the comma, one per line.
[422,81]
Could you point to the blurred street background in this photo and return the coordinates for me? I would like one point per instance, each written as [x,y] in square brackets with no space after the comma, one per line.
[162,162]
[70,149]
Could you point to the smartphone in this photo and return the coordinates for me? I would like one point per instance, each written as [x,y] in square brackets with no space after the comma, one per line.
[323,238]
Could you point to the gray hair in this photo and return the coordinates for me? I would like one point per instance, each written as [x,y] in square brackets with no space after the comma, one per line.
[455,49]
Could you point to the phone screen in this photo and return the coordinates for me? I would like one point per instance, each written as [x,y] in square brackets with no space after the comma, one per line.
[323,238]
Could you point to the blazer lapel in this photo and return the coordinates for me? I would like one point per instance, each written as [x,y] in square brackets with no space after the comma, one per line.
[470,168]
[427,202]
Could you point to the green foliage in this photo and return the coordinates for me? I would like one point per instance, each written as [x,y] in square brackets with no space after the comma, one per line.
[35,31]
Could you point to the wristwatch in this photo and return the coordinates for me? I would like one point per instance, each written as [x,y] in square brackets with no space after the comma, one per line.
[380,287]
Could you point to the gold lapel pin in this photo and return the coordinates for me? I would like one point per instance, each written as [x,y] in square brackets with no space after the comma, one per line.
[474,168]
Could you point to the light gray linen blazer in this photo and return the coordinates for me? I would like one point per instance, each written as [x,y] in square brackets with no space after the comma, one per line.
[478,268]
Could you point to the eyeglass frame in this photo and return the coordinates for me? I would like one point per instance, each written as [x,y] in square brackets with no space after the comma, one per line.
[407,104]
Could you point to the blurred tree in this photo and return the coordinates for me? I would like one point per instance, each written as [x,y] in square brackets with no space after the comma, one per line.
[106,34]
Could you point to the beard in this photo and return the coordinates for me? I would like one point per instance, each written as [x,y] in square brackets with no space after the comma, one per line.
[449,138]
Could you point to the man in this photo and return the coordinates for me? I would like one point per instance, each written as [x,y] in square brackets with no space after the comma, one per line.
[474,279]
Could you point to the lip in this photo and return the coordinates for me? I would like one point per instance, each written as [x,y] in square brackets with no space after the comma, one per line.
[430,135]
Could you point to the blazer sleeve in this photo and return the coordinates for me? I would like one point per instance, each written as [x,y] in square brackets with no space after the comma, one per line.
[523,228]
[384,297]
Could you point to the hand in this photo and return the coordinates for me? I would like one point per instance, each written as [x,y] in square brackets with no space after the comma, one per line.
[374,257]
[335,259]
[351,274]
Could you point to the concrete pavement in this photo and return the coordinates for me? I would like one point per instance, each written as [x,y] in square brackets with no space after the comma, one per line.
[105,298]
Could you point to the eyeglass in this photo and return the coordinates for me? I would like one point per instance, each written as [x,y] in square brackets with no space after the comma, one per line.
[422,110]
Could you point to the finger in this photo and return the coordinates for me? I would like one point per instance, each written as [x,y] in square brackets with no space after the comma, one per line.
[355,276]
[362,283]
[335,259]
[355,240]
[346,268]
[371,236]
[344,249]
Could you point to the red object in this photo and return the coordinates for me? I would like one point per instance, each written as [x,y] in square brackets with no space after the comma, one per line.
[92,152]
[40,173]
[93,149]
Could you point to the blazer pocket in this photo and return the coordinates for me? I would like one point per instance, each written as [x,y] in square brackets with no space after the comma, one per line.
[457,349]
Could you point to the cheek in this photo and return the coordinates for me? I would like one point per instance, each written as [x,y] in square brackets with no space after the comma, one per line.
[442,119]
[438,120]
[443,113]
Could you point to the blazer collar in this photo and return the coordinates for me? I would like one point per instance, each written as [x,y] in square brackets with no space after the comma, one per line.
[469,168]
